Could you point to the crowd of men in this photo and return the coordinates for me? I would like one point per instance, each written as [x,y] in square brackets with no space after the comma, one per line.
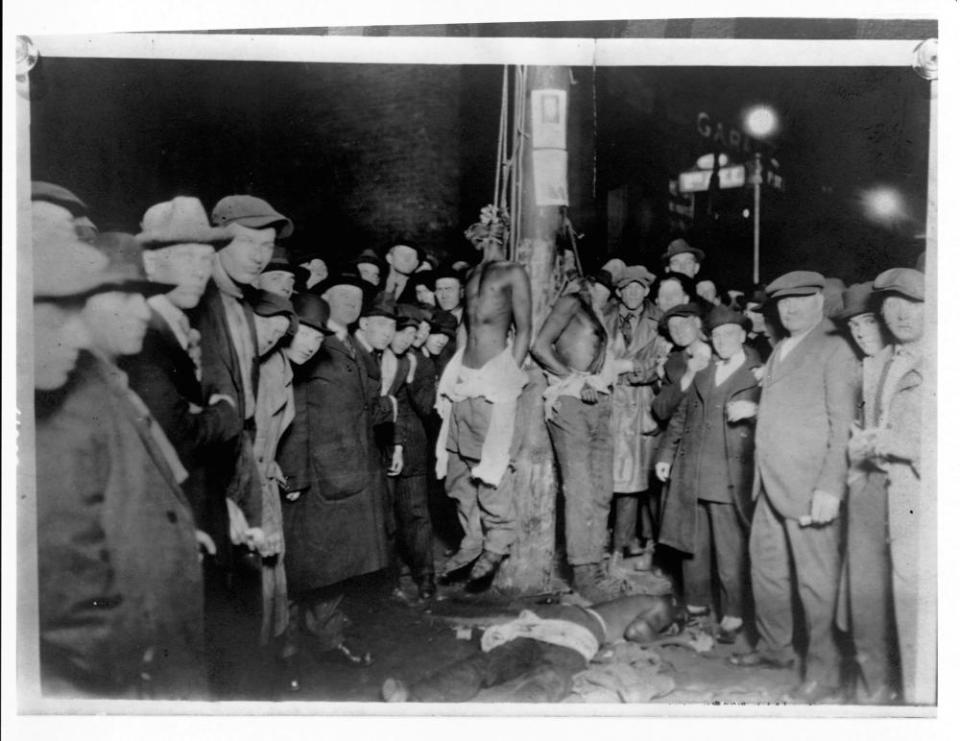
[228,429]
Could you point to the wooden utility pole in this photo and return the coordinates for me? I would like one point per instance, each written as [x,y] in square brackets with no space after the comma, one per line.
[530,568]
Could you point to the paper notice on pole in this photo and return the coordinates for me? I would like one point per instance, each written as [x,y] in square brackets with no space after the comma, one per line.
[550,177]
[549,119]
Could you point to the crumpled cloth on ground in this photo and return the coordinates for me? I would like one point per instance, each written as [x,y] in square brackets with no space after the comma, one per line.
[626,672]
[573,384]
[500,382]
[557,632]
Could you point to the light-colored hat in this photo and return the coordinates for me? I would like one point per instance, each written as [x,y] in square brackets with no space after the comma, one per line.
[796,283]
[180,221]
[635,274]
[251,212]
[905,281]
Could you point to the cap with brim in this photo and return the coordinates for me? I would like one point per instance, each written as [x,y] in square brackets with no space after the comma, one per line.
[720,315]
[267,304]
[251,212]
[70,269]
[403,322]
[857,300]
[678,247]
[58,195]
[797,283]
[372,258]
[615,266]
[180,221]
[382,305]
[443,322]
[635,274]
[125,264]
[905,281]
[341,279]
[679,310]
[312,311]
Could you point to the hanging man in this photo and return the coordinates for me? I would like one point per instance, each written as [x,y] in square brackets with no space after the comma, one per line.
[572,348]
[477,400]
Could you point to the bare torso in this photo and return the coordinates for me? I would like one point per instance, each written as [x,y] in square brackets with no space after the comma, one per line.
[497,295]
[582,342]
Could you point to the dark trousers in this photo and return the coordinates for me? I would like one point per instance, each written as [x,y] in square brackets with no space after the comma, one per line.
[582,440]
[721,542]
[869,594]
[549,668]
[414,531]
[776,543]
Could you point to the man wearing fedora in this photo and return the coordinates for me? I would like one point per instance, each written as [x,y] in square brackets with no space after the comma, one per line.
[371,267]
[892,442]
[179,246]
[707,453]
[121,598]
[336,527]
[809,401]
[682,258]
[864,609]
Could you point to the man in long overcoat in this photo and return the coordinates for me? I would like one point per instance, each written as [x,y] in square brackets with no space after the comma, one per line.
[810,391]
[707,452]
[121,601]
[335,527]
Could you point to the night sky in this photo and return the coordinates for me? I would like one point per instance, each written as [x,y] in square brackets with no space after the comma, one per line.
[125,134]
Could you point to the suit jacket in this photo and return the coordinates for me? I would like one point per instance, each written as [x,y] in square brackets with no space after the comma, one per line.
[336,528]
[163,375]
[120,583]
[684,447]
[808,403]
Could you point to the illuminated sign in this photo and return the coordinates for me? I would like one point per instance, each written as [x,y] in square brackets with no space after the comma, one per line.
[695,181]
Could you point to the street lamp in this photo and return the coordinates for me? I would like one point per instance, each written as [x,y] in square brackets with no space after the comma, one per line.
[761,122]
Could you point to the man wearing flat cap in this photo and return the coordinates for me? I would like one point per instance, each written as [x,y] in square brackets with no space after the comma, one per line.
[121,596]
[707,454]
[809,401]
[633,337]
[891,442]
[680,257]
[224,318]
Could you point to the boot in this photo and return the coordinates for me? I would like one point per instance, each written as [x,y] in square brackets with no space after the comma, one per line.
[590,583]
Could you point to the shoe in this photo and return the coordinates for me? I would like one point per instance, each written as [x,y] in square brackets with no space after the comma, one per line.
[729,630]
[883,695]
[593,585]
[761,659]
[427,587]
[814,692]
[486,565]
[394,690]
[459,560]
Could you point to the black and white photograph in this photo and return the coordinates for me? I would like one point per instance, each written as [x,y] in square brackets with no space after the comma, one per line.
[549,366]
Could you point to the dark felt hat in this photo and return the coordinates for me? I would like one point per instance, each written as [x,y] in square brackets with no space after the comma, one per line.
[416,312]
[443,322]
[125,264]
[796,283]
[267,303]
[678,247]
[446,271]
[370,256]
[341,279]
[312,311]
[604,278]
[905,281]
[857,299]
[426,278]
[280,262]
[251,212]
[383,304]
[720,315]
[58,195]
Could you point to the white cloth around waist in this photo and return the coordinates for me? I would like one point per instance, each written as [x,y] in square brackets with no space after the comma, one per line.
[556,632]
